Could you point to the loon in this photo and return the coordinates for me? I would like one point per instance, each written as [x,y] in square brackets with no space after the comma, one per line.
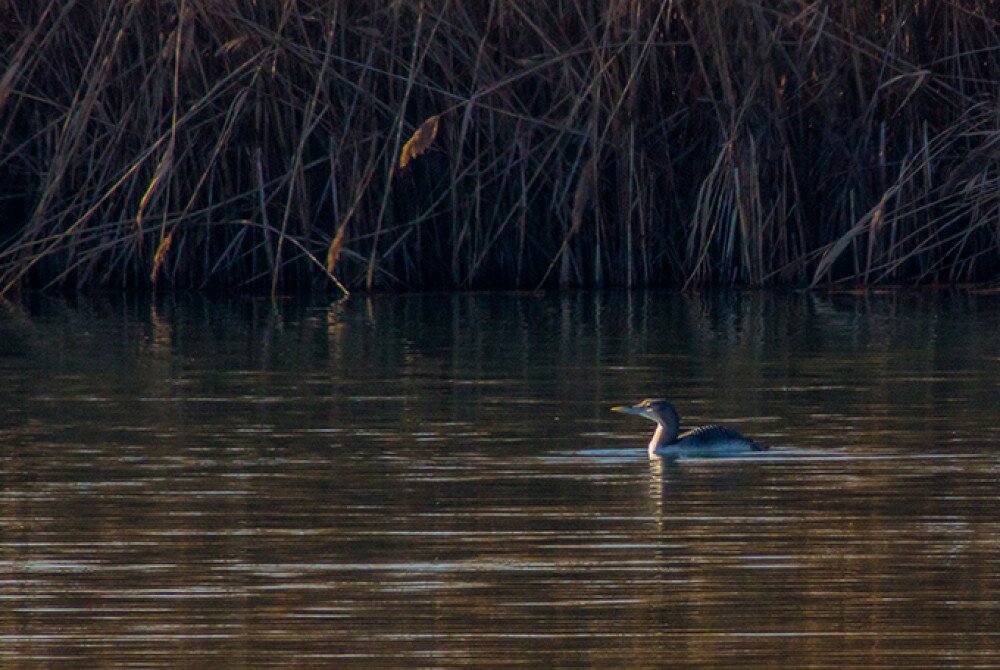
[704,441]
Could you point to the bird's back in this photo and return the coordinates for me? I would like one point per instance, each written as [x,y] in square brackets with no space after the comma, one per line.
[707,437]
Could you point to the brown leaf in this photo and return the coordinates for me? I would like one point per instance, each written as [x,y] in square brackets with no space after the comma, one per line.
[161,170]
[230,46]
[333,253]
[869,222]
[420,142]
[160,255]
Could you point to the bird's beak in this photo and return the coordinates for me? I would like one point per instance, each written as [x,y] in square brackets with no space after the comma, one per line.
[630,409]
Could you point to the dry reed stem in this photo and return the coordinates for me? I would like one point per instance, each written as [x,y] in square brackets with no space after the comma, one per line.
[668,142]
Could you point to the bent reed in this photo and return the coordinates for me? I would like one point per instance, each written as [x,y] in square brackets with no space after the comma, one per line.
[498,144]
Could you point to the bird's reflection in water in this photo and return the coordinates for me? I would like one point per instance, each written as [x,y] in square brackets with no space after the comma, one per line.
[698,486]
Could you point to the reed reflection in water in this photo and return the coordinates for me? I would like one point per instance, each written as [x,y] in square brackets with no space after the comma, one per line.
[436,481]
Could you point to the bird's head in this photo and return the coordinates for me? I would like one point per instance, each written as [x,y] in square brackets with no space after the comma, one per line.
[653,409]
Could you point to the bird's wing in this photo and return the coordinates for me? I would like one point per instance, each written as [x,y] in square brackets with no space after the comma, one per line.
[706,434]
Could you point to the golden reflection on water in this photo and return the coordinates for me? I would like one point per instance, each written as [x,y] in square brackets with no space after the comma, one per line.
[437,482]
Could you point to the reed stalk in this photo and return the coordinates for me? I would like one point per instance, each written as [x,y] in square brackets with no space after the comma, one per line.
[502,144]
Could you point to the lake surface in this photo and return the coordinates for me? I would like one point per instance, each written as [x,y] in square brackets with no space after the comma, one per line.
[437,481]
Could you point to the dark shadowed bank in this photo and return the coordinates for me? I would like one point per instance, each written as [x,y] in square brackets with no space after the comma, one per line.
[577,143]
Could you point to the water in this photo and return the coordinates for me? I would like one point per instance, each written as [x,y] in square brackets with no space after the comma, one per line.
[436,481]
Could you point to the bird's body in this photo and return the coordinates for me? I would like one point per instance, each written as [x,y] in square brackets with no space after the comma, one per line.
[669,442]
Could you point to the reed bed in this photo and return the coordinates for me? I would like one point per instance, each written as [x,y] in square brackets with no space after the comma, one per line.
[498,144]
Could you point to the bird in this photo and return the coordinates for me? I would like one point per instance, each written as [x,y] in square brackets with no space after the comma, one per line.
[669,442]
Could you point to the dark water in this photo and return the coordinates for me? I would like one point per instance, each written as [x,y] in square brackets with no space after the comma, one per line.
[428,482]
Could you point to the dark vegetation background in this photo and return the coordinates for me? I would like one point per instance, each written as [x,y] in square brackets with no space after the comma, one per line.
[580,143]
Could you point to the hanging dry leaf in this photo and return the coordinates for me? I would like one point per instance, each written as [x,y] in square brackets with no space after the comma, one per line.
[161,170]
[420,142]
[333,253]
[868,222]
[230,46]
[161,255]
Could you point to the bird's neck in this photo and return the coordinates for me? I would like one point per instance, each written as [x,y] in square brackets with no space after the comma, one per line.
[665,434]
